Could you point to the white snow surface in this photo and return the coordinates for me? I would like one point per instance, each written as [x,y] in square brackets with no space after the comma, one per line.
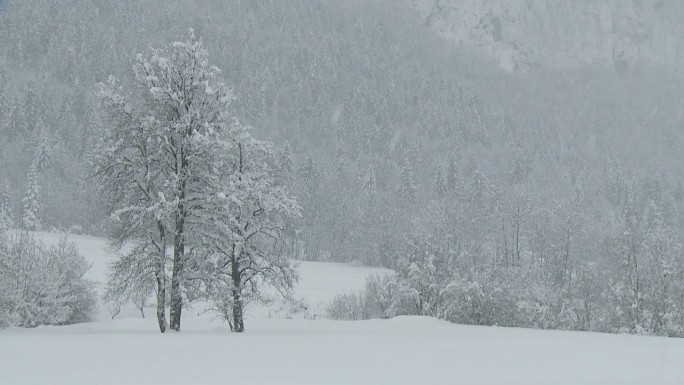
[404,350]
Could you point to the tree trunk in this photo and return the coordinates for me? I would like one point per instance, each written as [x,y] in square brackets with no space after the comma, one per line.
[238,321]
[161,302]
[161,280]
[176,305]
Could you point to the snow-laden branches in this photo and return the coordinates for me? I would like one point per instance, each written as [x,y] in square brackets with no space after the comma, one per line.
[178,173]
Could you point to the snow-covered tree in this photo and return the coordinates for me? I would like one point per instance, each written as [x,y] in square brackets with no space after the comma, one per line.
[246,222]
[309,170]
[127,171]
[14,122]
[8,294]
[370,186]
[285,162]
[662,267]
[407,189]
[189,104]
[477,187]
[31,108]
[454,181]
[645,286]
[31,215]
[5,206]
[181,112]
[439,185]
[340,162]
[66,124]
[41,157]
[135,275]
[3,97]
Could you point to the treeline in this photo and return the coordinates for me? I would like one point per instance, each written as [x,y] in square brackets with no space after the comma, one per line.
[562,273]
[298,70]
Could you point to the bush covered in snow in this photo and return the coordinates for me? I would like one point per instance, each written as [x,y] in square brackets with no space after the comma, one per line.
[605,297]
[42,285]
[375,301]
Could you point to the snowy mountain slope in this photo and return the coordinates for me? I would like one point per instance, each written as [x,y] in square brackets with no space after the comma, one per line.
[562,34]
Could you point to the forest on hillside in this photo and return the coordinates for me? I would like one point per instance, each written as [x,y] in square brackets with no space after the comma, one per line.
[541,195]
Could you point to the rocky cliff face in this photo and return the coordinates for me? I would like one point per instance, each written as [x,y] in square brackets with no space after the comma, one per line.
[523,34]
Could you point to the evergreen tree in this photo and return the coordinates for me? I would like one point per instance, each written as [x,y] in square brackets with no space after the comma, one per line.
[41,157]
[31,108]
[31,201]
[5,206]
[439,184]
[340,162]
[66,125]
[14,122]
[519,167]
[88,132]
[478,185]
[369,184]
[308,170]
[408,190]
[285,162]
[454,181]
[4,103]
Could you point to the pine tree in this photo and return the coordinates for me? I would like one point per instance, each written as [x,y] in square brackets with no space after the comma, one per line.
[88,133]
[478,186]
[453,178]
[340,163]
[66,125]
[369,184]
[31,111]
[31,201]
[408,189]
[285,161]
[520,167]
[14,122]
[41,157]
[4,103]
[654,216]
[439,185]
[5,206]
[308,170]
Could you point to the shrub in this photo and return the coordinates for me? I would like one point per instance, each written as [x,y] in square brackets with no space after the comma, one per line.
[375,301]
[43,285]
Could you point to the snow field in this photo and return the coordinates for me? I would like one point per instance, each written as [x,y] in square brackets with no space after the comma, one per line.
[404,350]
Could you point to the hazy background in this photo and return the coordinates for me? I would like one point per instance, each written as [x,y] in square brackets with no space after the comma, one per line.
[543,109]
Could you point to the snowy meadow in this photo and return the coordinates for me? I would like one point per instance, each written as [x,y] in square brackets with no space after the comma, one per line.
[293,348]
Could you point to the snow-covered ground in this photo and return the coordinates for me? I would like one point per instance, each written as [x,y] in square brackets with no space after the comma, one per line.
[404,350]
[318,283]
